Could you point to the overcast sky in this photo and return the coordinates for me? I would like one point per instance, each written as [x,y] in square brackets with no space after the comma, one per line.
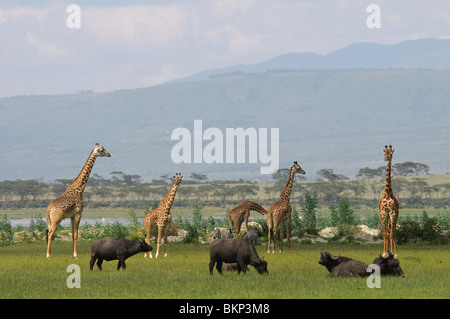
[131,44]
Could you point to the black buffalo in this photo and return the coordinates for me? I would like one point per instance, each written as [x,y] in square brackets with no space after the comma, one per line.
[116,249]
[342,266]
[238,251]
[389,266]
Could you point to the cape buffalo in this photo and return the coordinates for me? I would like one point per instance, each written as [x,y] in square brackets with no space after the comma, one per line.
[389,266]
[342,266]
[116,248]
[237,250]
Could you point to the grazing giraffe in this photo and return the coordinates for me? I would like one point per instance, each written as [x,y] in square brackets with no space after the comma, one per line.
[388,206]
[281,211]
[161,217]
[241,213]
[70,204]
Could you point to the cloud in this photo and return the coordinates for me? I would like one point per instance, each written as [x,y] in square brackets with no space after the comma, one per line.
[157,26]
[44,48]
[240,43]
[137,43]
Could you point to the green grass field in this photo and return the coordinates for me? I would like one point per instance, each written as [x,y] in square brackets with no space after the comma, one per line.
[26,273]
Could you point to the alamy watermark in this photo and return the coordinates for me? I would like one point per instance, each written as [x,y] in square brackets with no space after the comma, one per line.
[74,279]
[373,21]
[229,147]
[374,279]
[73,20]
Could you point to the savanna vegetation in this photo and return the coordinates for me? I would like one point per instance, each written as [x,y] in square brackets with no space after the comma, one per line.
[184,274]
[202,206]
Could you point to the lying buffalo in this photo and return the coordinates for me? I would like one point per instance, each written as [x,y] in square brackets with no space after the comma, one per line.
[389,266]
[238,251]
[116,249]
[342,266]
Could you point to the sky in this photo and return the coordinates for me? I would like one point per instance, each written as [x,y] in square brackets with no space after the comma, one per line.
[133,44]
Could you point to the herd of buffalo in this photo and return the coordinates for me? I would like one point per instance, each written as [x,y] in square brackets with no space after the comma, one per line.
[237,253]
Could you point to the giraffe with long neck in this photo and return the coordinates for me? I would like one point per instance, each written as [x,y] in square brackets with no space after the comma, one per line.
[70,204]
[389,208]
[281,211]
[241,214]
[161,217]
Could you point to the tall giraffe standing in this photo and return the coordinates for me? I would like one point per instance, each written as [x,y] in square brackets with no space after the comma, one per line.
[70,204]
[281,211]
[241,213]
[388,206]
[161,216]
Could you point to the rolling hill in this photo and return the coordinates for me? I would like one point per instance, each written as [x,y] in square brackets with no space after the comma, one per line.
[417,54]
[337,118]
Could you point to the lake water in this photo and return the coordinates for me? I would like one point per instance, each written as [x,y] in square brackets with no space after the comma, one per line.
[25,222]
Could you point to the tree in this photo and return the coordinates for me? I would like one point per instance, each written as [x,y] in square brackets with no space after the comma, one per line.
[243,191]
[410,169]
[343,215]
[199,177]
[371,173]
[309,211]
[131,179]
[282,174]
[328,174]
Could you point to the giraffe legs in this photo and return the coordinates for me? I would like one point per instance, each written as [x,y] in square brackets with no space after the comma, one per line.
[270,231]
[237,228]
[147,228]
[52,224]
[288,233]
[281,237]
[160,228]
[50,233]
[384,221]
[165,239]
[75,222]
[393,217]
[247,215]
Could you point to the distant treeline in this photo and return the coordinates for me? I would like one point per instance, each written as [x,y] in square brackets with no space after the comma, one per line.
[123,190]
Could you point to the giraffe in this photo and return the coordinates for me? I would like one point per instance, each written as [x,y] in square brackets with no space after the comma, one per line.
[161,217]
[70,204]
[281,211]
[388,206]
[241,213]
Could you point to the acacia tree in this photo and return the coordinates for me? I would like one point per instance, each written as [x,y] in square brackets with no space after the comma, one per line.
[200,178]
[328,174]
[410,169]
[371,173]
[309,206]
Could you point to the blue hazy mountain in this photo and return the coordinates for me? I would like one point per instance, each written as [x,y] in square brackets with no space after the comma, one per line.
[338,113]
[418,54]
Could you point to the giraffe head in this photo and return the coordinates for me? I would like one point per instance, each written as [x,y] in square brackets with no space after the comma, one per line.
[178,177]
[388,152]
[100,151]
[297,168]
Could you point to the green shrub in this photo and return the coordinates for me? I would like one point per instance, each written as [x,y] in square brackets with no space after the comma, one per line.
[38,223]
[192,234]
[116,230]
[6,233]
[409,230]
[309,206]
[343,218]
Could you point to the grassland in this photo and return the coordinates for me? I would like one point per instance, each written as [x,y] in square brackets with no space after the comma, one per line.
[26,273]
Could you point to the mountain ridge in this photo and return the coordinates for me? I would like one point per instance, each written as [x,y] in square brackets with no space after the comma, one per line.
[411,54]
[327,118]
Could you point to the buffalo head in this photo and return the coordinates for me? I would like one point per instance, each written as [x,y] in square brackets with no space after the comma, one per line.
[389,266]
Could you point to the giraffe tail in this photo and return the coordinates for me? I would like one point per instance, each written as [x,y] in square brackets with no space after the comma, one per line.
[49,224]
